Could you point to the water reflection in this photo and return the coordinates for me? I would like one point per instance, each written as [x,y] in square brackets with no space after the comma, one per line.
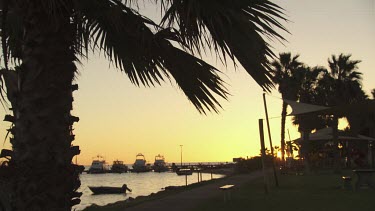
[142,184]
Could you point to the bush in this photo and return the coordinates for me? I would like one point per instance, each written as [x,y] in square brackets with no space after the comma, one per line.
[252,164]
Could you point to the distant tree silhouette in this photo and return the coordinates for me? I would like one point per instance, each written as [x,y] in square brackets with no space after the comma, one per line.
[347,83]
[45,38]
[344,82]
[308,79]
[285,75]
[307,93]
[340,85]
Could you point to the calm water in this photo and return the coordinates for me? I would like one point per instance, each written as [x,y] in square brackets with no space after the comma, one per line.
[142,184]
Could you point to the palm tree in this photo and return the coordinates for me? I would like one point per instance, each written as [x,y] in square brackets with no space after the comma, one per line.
[43,39]
[347,90]
[347,84]
[309,93]
[347,80]
[285,75]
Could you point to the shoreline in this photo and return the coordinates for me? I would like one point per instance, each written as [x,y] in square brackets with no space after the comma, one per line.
[165,192]
[186,198]
[223,171]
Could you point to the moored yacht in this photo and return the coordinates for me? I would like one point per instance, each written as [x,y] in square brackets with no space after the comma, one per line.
[98,166]
[159,164]
[140,164]
[118,166]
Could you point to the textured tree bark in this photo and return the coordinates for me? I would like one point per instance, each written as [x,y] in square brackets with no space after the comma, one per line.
[45,177]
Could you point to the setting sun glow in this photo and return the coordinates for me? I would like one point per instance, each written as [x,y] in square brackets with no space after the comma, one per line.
[119,120]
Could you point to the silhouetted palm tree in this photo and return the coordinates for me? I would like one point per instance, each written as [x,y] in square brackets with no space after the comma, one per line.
[308,93]
[347,85]
[348,89]
[347,79]
[285,75]
[47,37]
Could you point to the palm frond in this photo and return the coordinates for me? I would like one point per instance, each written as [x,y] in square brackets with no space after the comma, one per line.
[342,67]
[123,36]
[146,57]
[11,43]
[196,78]
[233,28]
[11,33]
[355,76]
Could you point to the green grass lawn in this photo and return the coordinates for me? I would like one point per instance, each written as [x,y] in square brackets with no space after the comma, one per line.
[320,192]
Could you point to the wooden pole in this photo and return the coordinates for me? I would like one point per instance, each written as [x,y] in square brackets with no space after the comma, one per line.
[181,154]
[370,155]
[291,149]
[335,135]
[263,151]
[270,139]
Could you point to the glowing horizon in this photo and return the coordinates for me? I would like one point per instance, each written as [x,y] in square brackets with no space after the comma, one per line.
[119,120]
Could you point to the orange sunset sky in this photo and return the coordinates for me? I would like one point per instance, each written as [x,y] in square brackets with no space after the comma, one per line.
[119,120]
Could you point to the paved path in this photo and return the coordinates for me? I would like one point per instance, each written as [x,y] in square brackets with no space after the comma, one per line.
[188,200]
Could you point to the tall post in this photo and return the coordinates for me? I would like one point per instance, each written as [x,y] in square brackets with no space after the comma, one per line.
[270,139]
[291,149]
[181,154]
[369,155]
[335,134]
[263,152]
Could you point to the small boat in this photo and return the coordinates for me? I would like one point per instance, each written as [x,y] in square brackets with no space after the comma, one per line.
[110,190]
[118,167]
[98,166]
[140,164]
[159,164]
[184,172]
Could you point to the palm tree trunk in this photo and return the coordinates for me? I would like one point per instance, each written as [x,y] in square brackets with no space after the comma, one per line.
[283,118]
[46,179]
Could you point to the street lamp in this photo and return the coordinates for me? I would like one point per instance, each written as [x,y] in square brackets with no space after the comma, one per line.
[181,154]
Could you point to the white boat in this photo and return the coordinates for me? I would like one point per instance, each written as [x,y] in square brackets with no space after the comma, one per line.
[98,166]
[140,164]
[159,164]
